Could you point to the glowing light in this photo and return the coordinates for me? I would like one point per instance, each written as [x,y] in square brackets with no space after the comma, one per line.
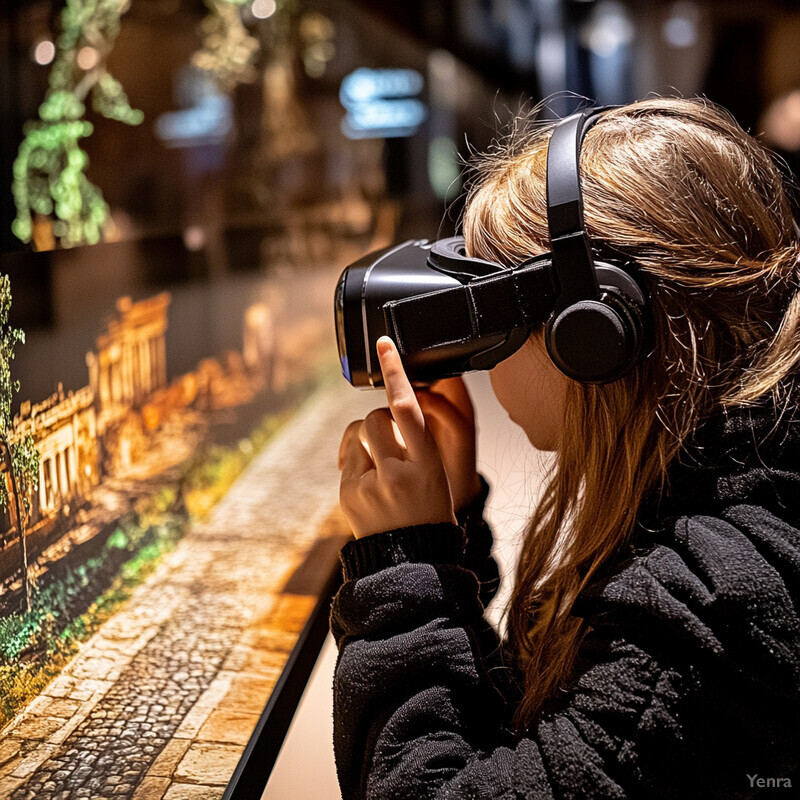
[208,121]
[316,58]
[680,29]
[384,119]
[88,58]
[781,122]
[44,52]
[365,85]
[610,29]
[381,103]
[443,169]
[263,9]
[314,67]
[194,238]
[316,26]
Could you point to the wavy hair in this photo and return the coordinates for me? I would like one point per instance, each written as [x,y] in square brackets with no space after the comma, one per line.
[678,188]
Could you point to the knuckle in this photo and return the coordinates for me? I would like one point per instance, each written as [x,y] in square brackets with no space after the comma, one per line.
[350,444]
[405,406]
[350,430]
[377,415]
[376,420]
[393,473]
[392,366]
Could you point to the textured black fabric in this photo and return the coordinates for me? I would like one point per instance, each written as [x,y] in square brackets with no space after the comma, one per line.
[688,683]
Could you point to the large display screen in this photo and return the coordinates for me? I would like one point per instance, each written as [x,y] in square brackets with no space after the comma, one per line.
[176,203]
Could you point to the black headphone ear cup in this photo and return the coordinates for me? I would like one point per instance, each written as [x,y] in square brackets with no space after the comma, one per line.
[598,341]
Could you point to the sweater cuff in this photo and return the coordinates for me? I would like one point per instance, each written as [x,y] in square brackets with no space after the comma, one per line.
[432,543]
[474,510]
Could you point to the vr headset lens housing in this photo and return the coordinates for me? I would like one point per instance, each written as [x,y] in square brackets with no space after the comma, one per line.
[448,314]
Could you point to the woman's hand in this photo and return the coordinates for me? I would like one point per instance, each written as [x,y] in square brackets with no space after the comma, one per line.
[392,471]
[448,409]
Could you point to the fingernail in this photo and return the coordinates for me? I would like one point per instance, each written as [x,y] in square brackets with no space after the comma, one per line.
[384,346]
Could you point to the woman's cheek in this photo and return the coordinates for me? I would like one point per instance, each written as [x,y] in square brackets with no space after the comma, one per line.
[532,392]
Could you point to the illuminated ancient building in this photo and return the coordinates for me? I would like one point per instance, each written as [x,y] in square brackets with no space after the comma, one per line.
[129,365]
[130,362]
[65,432]
[105,427]
[81,435]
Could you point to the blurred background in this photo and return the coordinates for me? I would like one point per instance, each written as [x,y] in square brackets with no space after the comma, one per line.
[234,155]
[247,119]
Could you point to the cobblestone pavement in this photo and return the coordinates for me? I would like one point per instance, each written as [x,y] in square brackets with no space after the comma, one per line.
[162,700]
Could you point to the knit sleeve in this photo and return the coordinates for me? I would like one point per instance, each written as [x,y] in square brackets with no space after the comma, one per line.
[687,684]
[478,545]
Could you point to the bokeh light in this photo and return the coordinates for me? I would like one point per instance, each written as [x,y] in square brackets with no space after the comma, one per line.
[263,9]
[44,52]
[88,58]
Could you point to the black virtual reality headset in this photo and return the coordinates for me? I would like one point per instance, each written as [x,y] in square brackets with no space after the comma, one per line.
[450,314]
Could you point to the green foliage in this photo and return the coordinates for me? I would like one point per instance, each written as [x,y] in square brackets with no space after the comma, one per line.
[8,340]
[25,458]
[210,465]
[16,632]
[208,475]
[34,645]
[118,540]
[27,630]
[49,171]
[152,508]
[24,455]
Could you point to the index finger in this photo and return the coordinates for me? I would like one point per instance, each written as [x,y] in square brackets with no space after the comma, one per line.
[402,400]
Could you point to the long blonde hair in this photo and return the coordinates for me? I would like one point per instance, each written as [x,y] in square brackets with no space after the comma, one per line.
[677,187]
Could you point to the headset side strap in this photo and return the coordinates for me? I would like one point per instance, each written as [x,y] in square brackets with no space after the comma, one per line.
[494,304]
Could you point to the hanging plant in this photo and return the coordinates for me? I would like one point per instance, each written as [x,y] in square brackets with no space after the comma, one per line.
[49,171]
[228,51]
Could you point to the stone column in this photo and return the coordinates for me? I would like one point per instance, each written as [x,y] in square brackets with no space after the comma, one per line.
[161,361]
[42,490]
[146,367]
[53,479]
[127,370]
[63,478]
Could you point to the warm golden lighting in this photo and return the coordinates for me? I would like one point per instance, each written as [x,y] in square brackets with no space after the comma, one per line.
[781,121]
[194,238]
[88,58]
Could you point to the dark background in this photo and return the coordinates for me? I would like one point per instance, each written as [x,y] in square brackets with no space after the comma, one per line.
[286,169]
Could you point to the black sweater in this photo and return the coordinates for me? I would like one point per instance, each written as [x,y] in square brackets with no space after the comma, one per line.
[688,682]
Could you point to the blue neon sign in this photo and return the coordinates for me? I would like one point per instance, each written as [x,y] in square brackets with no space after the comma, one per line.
[382,103]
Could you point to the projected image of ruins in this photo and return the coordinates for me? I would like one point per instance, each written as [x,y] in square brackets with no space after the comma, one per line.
[170,397]
[146,620]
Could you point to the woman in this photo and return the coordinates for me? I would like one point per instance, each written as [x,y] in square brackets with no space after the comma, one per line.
[653,645]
